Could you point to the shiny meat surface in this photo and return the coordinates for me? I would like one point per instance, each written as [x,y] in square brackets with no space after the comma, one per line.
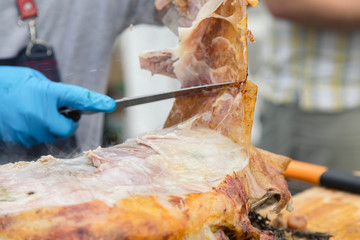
[198,178]
[212,48]
[194,180]
[186,10]
[168,162]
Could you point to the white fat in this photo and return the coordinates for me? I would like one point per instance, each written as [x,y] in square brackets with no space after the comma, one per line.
[186,161]
[199,156]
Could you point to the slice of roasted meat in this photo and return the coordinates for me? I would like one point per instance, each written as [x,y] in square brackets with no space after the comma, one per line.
[198,178]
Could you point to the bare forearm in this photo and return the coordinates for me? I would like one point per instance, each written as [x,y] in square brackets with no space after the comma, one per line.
[335,14]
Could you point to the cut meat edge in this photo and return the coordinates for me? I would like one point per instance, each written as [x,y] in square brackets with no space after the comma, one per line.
[228,203]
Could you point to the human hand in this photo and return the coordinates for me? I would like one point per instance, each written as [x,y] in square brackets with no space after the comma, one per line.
[325,14]
[29,104]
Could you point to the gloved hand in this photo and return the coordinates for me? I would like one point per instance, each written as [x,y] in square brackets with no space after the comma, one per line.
[29,104]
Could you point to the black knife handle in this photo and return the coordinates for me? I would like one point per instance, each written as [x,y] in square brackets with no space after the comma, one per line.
[340,180]
[73,113]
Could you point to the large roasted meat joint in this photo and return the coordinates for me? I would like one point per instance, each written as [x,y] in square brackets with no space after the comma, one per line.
[198,178]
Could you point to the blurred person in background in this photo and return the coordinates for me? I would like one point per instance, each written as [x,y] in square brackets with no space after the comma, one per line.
[56,54]
[311,82]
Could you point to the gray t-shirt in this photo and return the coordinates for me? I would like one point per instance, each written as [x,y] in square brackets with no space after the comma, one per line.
[82,34]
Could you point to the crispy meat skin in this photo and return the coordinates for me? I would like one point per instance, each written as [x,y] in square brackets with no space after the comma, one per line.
[138,216]
[191,215]
[196,179]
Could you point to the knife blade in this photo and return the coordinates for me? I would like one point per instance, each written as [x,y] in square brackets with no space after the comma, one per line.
[75,114]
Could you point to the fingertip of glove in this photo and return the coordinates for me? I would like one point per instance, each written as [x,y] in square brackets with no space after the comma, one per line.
[100,102]
[84,99]
[109,104]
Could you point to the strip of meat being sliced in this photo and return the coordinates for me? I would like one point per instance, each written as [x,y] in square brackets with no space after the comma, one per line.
[186,181]
[213,49]
[197,178]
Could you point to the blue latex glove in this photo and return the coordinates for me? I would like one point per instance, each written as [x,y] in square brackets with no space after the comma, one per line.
[29,104]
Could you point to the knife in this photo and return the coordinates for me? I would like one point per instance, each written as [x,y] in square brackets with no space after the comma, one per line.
[321,175]
[75,114]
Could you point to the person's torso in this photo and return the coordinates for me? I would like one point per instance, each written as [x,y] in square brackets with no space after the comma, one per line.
[317,69]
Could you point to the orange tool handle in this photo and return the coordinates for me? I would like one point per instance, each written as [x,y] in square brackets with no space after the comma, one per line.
[321,175]
[305,171]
